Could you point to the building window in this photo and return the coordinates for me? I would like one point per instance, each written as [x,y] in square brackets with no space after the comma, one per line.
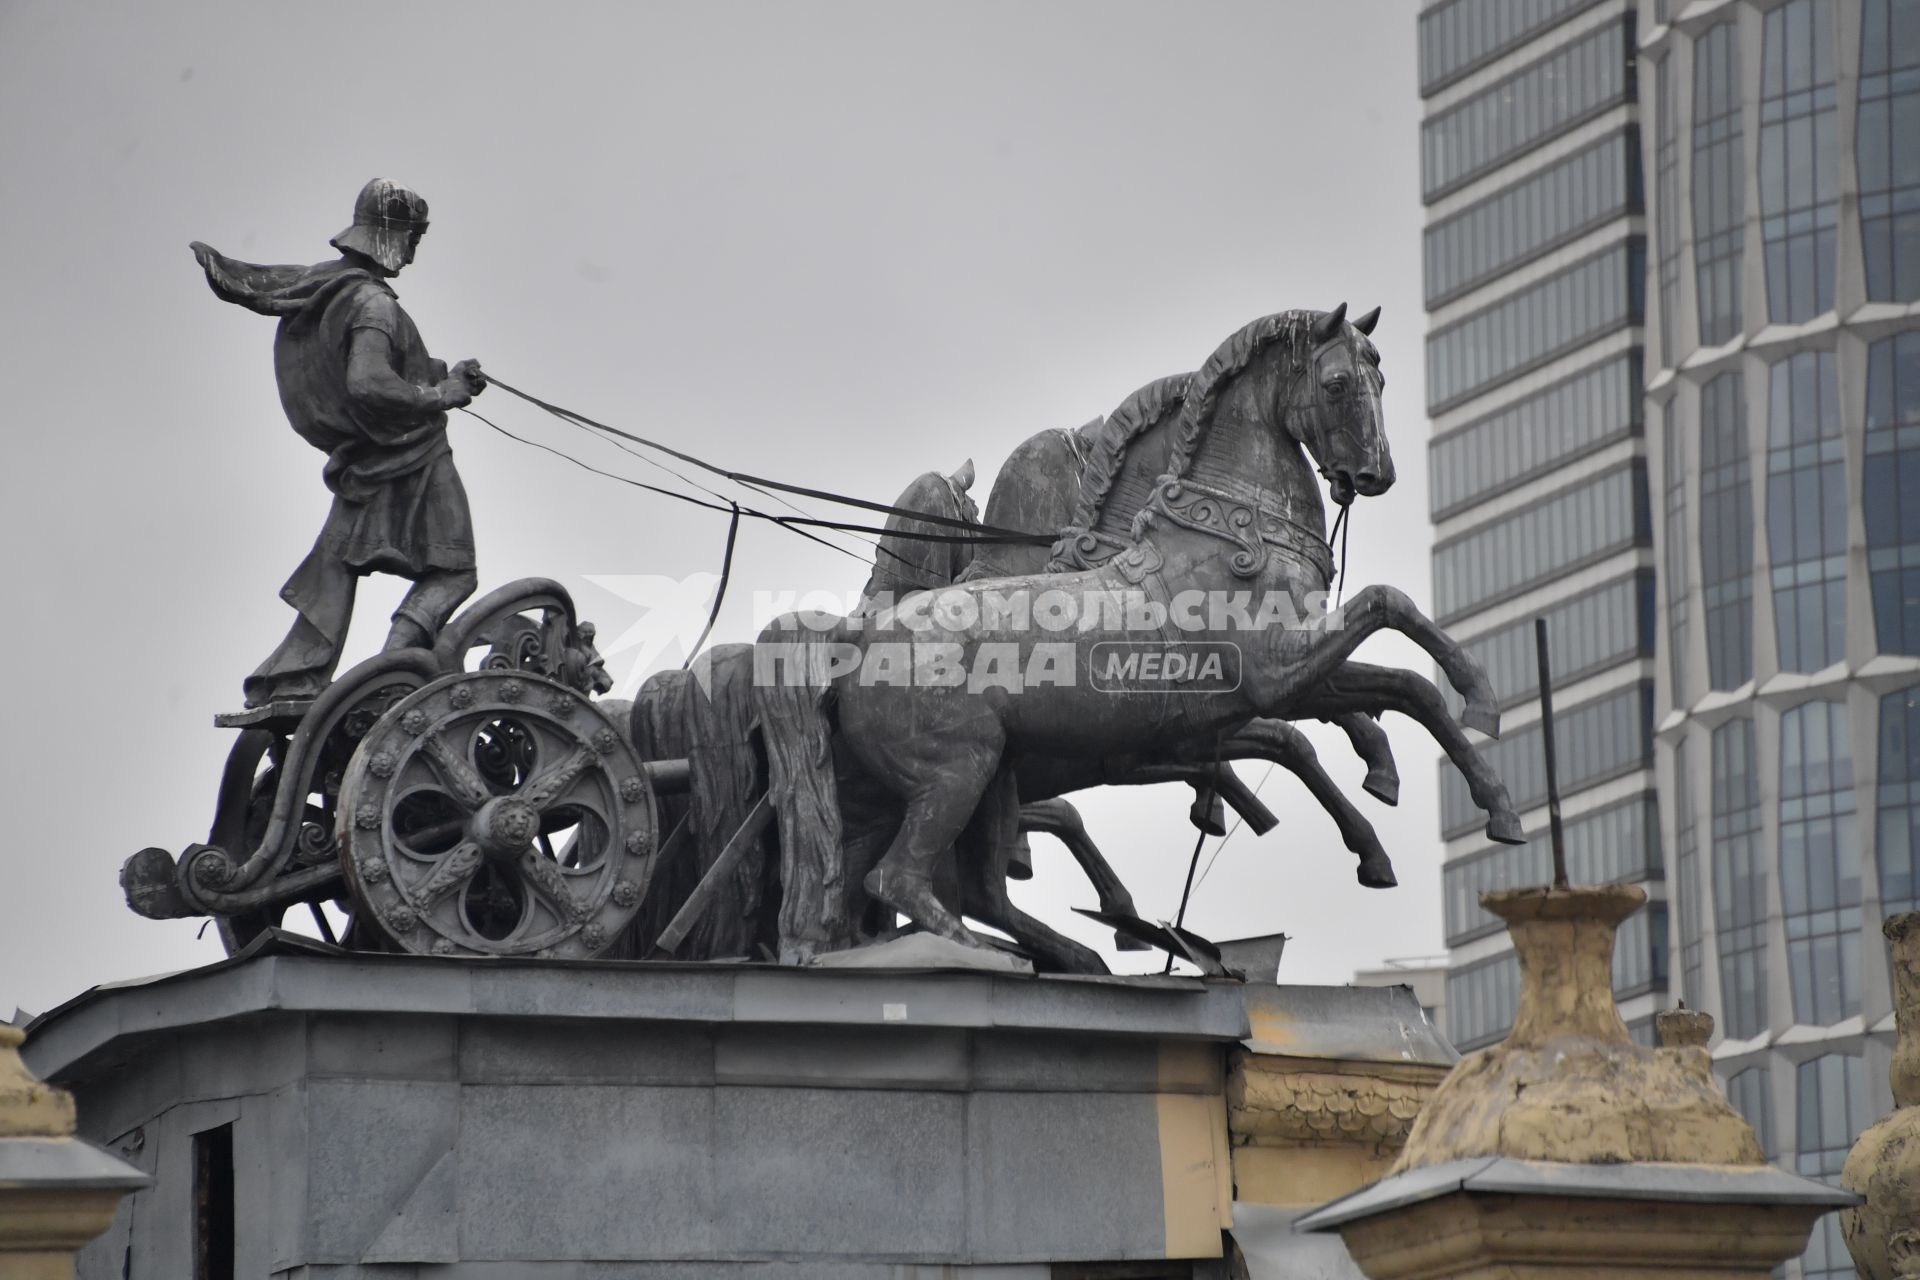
[1598,295]
[1617,844]
[1888,122]
[1799,169]
[1892,490]
[1592,631]
[1482,1001]
[1516,553]
[1726,532]
[1520,223]
[1640,952]
[1686,871]
[1533,435]
[1593,742]
[1899,801]
[1833,1109]
[1739,881]
[1719,182]
[1807,512]
[1667,196]
[1677,551]
[1457,36]
[1571,84]
[1751,1094]
[1819,863]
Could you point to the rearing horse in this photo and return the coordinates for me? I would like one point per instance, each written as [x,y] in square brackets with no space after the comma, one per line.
[1237,513]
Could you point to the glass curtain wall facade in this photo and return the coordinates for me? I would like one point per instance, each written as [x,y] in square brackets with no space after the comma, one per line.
[1717,203]
[1783,404]
[1536,276]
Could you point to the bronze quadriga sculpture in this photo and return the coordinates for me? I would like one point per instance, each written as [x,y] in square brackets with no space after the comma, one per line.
[494,807]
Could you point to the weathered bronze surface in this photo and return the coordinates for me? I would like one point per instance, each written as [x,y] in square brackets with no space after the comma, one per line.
[503,812]
[357,383]
[1236,506]
[302,786]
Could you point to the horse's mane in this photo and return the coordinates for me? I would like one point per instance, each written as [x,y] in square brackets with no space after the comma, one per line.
[1137,414]
[1295,328]
[1195,395]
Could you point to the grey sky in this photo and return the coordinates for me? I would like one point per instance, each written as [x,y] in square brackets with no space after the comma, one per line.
[838,243]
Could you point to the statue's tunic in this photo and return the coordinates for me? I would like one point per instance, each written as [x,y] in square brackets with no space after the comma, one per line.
[399,506]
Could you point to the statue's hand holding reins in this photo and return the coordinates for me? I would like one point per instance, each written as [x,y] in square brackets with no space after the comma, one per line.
[462,383]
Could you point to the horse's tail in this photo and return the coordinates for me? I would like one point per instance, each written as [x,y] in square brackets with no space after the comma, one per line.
[725,779]
[791,693]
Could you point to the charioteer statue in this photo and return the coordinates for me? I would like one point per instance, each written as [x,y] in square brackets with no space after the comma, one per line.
[357,383]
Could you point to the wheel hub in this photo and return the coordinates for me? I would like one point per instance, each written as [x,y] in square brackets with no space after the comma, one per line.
[504,826]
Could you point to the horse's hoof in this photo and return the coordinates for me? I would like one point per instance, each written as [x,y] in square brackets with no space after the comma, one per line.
[1122,942]
[1383,785]
[1074,958]
[1482,716]
[1377,873]
[1504,826]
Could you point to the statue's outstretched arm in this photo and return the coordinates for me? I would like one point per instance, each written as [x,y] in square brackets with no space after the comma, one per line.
[373,384]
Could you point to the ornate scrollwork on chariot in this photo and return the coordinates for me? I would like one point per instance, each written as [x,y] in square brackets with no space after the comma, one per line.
[498,811]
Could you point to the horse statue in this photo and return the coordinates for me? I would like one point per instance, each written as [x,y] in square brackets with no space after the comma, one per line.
[875,779]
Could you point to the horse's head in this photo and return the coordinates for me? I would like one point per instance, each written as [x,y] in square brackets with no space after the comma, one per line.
[1332,406]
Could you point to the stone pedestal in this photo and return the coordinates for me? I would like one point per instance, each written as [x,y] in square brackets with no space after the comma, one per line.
[1569,1152]
[56,1192]
[1883,1235]
[393,1116]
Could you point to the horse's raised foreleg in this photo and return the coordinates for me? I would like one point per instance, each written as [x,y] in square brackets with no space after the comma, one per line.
[1371,744]
[1060,819]
[1309,655]
[984,851]
[1361,686]
[1286,746]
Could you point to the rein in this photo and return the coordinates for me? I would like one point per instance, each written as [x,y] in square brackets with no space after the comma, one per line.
[1341,527]
[973,533]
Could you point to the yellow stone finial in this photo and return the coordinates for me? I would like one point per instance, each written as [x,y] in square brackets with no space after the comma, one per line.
[1568,1084]
[29,1108]
[1883,1235]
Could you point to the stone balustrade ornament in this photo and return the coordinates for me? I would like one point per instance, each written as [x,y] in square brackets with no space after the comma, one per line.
[1568,1150]
[1883,1235]
[1568,1084]
[56,1192]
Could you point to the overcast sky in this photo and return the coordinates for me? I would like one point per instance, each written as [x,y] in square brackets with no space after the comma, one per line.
[839,243]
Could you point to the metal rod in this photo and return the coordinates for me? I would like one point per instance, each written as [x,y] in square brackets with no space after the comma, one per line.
[1553,775]
[757,820]
[320,918]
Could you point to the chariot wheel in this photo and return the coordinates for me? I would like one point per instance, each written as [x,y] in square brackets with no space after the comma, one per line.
[497,813]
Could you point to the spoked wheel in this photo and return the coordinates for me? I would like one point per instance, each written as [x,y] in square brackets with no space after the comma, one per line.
[497,813]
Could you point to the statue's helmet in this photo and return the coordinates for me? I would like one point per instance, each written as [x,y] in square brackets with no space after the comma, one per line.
[386,217]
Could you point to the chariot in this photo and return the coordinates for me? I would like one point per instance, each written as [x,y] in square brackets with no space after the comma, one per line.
[477,798]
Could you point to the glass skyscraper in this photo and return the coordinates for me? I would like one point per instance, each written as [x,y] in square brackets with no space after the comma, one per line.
[1535,276]
[1732,563]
